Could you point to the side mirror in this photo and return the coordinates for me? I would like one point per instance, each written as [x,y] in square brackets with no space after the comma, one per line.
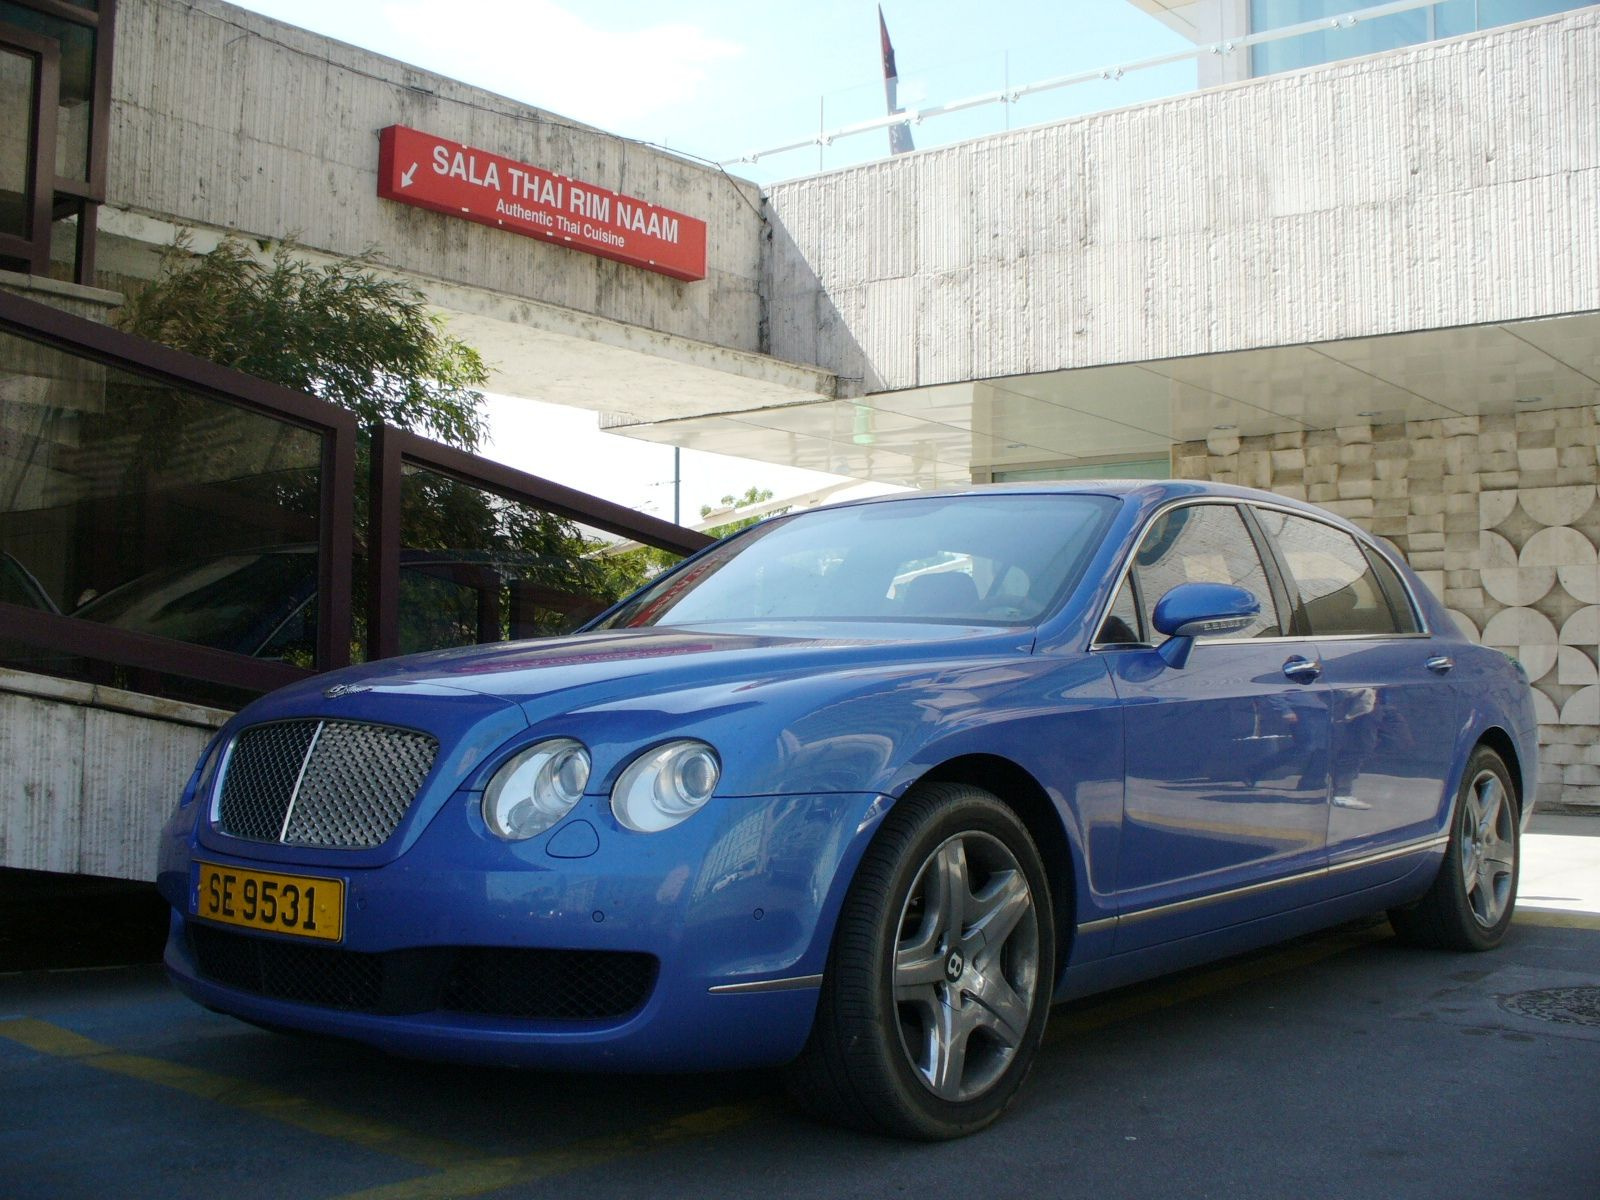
[1193,610]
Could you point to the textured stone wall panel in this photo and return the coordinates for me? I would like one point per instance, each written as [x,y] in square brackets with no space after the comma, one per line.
[1451,184]
[1507,538]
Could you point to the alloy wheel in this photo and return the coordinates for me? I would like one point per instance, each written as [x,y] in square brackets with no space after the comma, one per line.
[966,966]
[1488,849]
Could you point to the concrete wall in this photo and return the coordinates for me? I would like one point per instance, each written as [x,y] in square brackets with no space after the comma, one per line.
[90,774]
[1453,184]
[234,121]
[1500,515]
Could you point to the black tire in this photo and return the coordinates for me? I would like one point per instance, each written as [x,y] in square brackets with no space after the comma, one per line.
[1470,904]
[889,1051]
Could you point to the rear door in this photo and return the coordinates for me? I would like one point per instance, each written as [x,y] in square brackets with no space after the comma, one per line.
[1393,709]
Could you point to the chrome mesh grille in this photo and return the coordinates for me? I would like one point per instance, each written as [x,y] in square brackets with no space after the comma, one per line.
[339,784]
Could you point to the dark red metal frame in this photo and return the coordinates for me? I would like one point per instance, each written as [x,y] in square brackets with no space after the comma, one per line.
[394,449]
[59,196]
[41,169]
[337,429]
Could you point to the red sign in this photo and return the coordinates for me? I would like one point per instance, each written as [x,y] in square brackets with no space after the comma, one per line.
[462,181]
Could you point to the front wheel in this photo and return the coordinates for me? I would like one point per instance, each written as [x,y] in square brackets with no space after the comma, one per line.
[939,981]
[1470,904]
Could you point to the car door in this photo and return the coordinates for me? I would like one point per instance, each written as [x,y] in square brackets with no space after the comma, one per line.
[1392,707]
[1225,805]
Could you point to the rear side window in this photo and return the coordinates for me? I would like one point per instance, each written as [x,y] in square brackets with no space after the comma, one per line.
[1340,593]
[1405,616]
[1204,543]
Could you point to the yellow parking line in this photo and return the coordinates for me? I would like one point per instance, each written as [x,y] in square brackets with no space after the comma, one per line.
[492,1174]
[1553,918]
[460,1171]
[254,1098]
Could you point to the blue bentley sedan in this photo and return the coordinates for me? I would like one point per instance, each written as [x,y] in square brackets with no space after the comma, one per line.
[863,790]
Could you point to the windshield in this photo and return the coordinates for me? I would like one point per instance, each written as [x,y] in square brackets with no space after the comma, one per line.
[998,559]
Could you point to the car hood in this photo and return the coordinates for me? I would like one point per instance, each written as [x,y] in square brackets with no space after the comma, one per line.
[552,675]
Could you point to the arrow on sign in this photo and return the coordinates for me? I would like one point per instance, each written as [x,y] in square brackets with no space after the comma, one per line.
[406,175]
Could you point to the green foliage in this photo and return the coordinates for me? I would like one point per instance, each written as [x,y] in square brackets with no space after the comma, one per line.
[752,496]
[338,330]
[629,571]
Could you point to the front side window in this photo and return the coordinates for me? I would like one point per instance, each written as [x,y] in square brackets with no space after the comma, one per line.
[1339,591]
[991,560]
[1204,543]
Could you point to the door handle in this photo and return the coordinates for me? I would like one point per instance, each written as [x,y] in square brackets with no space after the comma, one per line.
[1440,663]
[1302,670]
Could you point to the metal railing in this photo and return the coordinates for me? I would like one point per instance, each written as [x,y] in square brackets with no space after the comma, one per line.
[393,452]
[1011,95]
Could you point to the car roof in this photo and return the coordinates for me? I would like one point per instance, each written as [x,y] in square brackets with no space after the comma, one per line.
[1145,494]
[1145,490]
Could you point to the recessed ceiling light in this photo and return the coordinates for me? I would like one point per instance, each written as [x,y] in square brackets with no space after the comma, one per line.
[1224,428]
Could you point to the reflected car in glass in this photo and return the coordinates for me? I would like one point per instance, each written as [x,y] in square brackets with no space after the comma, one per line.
[863,790]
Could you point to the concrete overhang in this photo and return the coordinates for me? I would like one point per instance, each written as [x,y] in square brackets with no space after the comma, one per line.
[932,436]
[543,351]
[562,356]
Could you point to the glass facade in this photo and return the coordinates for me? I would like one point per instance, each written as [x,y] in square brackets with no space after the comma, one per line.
[153,509]
[1133,468]
[1384,33]
[478,567]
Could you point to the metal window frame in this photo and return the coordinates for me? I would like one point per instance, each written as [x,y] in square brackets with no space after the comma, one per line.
[1277,571]
[46,55]
[337,429]
[65,196]
[395,449]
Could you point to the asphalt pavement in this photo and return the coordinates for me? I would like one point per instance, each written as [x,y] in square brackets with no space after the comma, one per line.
[1341,1066]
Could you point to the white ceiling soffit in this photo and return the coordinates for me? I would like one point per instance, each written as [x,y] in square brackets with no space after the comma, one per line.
[939,435]
[1194,19]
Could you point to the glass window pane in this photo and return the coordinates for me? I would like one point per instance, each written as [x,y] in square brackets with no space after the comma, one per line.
[1312,49]
[77,83]
[153,509]
[1338,589]
[1204,543]
[1399,600]
[1121,626]
[1446,19]
[475,567]
[17,73]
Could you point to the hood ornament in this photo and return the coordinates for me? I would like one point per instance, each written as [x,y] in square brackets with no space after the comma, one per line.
[345,689]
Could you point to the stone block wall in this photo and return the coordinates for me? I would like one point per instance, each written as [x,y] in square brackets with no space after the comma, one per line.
[1500,515]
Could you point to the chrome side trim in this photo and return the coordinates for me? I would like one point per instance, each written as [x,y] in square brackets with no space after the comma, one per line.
[1436,843]
[1178,906]
[1097,926]
[793,983]
[294,794]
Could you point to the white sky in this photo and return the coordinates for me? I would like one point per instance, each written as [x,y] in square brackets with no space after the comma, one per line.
[720,78]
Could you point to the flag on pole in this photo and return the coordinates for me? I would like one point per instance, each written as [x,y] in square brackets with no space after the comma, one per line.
[899,135]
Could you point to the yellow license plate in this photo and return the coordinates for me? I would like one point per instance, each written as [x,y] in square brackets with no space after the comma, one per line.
[303,905]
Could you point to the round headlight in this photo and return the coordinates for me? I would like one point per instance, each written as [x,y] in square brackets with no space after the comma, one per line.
[665,785]
[536,789]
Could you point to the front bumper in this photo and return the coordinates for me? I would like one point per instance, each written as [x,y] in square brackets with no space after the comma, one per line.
[741,896]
